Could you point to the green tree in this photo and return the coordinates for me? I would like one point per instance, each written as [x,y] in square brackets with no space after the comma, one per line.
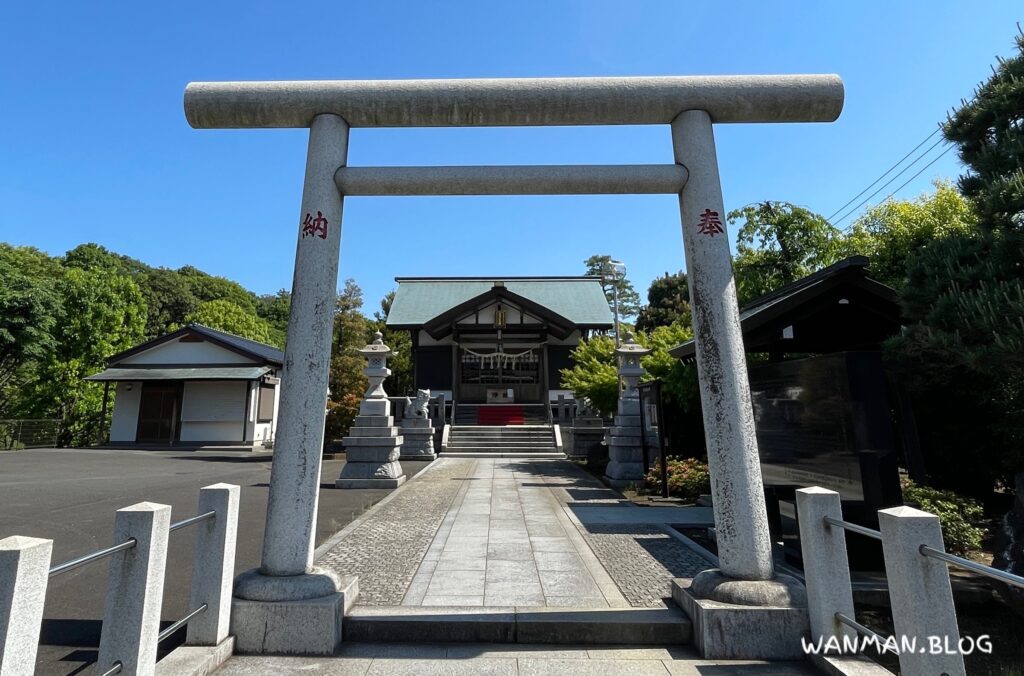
[30,308]
[92,256]
[593,376]
[989,133]
[226,316]
[207,287]
[893,232]
[962,352]
[104,314]
[275,308]
[347,383]
[779,243]
[668,302]
[629,299]
[169,300]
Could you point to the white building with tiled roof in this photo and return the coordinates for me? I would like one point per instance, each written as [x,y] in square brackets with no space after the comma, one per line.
[194,387]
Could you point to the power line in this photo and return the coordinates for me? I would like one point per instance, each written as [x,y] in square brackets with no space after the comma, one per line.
[907,182]
[937,158]
[889,182]
[840,209]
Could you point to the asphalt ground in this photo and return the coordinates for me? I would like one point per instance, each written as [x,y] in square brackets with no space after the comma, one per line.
[70,496]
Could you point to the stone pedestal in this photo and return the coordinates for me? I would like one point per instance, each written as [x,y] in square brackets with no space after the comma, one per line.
[625,453]
[587,440]
[744,620]
[372,449]
[373,445]
[417,440]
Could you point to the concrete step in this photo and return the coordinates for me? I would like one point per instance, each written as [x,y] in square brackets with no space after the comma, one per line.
[503,439]
[553,455]
[567,626]
[537,426]
[501,442]
[520,447]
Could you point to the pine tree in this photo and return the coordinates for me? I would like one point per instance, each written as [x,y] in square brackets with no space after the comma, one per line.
[962,353]
[989,131]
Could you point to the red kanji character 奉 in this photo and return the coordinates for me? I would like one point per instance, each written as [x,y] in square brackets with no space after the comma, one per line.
[314,226]
[710,224]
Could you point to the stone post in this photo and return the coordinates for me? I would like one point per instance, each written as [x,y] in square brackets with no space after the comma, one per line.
[826,568]
[919,592]
[213,565]
[24,573]
[135,590]
[744,546]
[625,452]
[286,605]
[373,445]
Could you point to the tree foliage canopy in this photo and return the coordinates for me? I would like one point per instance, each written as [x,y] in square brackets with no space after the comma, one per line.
[227,316]
[895,231]
[989,133]
[962,353]
[668,302]
[777,244]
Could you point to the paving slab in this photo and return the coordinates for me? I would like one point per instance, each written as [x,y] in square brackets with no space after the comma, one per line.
[473,659]
[520,532]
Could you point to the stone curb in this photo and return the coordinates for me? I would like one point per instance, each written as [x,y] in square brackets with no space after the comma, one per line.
[187,660]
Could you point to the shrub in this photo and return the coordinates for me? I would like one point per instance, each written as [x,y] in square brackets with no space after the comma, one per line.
[688,478]
[957,515]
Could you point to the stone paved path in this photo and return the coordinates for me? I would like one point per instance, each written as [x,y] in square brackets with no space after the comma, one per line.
[468,659]
[385,549]
[503,532]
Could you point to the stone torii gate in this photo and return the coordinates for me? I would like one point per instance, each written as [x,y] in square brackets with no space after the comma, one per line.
[286,596]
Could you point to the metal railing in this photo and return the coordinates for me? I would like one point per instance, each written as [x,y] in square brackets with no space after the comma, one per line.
[973,566]
[180,623]
[29,433]
[89,558]
[920,592]
[853,527]
[130,630]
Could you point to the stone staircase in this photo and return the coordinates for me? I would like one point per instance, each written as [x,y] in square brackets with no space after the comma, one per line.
[502,441]
[500,414]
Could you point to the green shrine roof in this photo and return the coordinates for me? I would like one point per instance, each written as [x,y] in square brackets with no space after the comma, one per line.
[578,299]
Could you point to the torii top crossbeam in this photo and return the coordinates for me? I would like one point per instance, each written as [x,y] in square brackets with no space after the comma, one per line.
[514,102]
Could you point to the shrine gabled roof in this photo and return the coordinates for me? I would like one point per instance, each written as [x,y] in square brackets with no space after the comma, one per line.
[579,300]
[810,300]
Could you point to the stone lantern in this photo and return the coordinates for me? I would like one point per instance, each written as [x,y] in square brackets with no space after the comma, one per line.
[625,452]
[373,445]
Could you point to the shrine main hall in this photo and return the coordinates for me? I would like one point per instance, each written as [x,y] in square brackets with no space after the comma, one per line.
[497,340]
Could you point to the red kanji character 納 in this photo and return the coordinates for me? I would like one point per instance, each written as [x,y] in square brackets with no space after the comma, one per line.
[314,226]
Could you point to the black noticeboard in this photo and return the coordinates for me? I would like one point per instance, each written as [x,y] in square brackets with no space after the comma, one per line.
[826,421]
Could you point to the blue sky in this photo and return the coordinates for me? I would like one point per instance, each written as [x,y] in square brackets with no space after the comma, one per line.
[94,145]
